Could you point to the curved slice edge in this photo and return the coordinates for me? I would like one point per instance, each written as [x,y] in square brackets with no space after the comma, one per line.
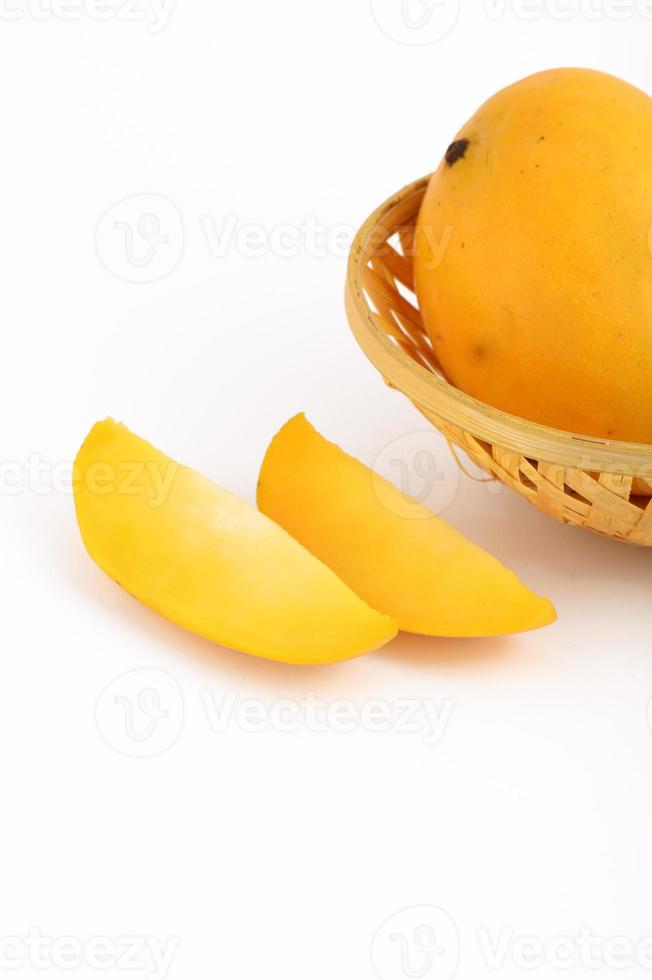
[422,572]
[208,561]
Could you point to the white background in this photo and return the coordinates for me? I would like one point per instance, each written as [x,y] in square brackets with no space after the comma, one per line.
[272,853]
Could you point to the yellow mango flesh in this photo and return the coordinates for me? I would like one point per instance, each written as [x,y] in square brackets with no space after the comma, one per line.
[208,561]
[533,262]
[419,570]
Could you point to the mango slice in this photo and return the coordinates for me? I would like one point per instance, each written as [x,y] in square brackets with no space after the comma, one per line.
[422,572]
[208,561]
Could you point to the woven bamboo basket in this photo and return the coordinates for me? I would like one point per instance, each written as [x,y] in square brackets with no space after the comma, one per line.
[602,485]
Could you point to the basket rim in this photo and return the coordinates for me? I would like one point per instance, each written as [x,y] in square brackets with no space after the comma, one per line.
[433,394]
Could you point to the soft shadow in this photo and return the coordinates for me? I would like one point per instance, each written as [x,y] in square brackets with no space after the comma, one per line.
[228,664]
[111,600]
[537,545]
[443,652]
[556,556]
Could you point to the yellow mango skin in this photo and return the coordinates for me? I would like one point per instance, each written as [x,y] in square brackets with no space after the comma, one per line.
[208,561]
[419,570]
[533,264]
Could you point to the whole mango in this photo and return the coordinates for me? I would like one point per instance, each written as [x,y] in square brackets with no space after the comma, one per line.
[533,254]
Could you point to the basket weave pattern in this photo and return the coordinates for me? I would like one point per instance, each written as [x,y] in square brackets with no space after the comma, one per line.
[602,485]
